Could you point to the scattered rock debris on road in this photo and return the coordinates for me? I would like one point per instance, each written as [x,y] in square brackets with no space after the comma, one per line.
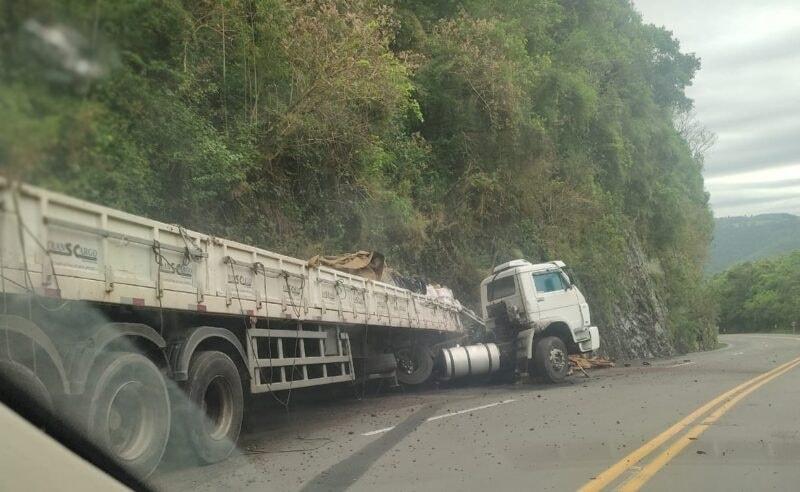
[464,451]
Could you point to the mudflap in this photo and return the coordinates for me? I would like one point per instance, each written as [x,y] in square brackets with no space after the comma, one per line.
[524,350]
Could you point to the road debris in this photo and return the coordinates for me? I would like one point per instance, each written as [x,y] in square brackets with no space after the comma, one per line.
[583,362]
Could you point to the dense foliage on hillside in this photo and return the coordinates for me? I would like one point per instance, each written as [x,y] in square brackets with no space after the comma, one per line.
[762,295]
[451,135]
[739,239]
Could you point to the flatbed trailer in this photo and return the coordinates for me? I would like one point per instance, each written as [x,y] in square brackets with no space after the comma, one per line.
[137,327]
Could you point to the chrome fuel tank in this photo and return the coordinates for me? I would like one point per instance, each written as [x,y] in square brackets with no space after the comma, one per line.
[470,360]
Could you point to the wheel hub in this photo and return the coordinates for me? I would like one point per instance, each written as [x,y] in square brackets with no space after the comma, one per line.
[130,421]
[405,362]
[557,359]
[217,407]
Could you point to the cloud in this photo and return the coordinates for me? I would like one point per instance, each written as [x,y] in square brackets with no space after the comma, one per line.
[756,115]
[793,184]
[779,47]
[774,189]
[747,92]
[760,149]
[761,205]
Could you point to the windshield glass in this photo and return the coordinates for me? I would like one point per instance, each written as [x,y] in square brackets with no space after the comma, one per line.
[548,282]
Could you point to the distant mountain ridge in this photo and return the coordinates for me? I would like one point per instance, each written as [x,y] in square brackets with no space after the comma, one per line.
[747,238]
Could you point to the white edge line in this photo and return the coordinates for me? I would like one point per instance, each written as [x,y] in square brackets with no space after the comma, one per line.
[460,412]
[379,431]
[444,415]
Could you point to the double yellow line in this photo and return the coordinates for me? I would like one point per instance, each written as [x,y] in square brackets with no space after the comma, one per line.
[730,398]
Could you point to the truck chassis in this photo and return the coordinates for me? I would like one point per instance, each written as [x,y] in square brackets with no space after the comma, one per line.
[139,330]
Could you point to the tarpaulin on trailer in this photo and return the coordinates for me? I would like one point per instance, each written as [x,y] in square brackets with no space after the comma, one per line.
[367,264]
[372,265]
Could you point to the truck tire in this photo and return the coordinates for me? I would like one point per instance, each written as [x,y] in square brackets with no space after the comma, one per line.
[27,380]
[216,406]
[128,412]
[414,365]
[550,359]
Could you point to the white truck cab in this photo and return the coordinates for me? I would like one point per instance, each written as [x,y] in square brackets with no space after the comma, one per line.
[536,302]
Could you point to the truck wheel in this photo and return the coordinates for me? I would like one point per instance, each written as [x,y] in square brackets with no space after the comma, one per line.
[27,381]
[550,359]
[414,365]
[217,405]
[129,410]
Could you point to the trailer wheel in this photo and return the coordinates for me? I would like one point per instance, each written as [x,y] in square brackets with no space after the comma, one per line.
[550,359]
[129,410]
[216,406]
[27,380]
[414,365]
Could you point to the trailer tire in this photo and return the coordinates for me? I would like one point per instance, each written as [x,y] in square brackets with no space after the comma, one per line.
[550,359]
[414,365]
[27,380]
[128,411]
[216,406]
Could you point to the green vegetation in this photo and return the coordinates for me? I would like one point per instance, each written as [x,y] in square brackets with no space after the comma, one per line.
[760,296]
[449,135]
[738,239]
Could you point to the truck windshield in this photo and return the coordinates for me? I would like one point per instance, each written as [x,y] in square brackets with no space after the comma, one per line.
[501,287]
[548,282]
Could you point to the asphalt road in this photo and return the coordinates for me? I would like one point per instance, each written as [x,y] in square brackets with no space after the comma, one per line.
[596,433]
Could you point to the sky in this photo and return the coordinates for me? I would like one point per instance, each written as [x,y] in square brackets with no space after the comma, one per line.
[747,92]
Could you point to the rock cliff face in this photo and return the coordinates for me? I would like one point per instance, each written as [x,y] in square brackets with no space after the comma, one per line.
[635,326]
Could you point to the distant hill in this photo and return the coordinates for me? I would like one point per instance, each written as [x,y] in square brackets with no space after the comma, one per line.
[738,239]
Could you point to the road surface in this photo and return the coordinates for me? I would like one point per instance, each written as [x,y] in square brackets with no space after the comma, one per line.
[627,427]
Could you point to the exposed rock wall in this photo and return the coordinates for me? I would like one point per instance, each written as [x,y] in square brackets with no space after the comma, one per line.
[635,326]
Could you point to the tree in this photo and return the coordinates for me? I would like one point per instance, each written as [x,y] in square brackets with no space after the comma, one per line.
[450,135]
[699,138]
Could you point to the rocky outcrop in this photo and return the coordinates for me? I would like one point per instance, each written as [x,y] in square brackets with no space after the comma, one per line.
[635,325]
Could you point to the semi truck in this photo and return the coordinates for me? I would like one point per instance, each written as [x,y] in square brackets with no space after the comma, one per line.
[141,333]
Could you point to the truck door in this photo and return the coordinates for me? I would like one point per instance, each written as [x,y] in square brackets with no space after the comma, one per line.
[555,301]
[505,289]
